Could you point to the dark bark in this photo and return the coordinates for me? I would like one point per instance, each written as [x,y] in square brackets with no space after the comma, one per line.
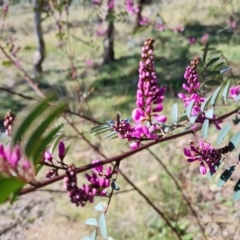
[40,52]
[139,13]
[108,43]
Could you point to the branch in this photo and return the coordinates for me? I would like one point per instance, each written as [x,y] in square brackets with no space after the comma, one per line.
[180,190]
[124,155]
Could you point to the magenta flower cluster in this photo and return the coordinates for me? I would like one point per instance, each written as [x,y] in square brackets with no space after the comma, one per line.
[12,163]
[130,7]
[206,154]
[149,95]
[147,114]
[193,88]
[99,181]
[234,91]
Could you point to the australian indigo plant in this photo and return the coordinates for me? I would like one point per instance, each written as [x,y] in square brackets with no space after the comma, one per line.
[21,158]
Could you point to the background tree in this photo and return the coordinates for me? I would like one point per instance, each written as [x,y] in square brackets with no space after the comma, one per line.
[39,54]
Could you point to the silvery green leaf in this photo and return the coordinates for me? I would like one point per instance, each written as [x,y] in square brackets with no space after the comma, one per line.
[225,176]
[91,222]
[103,226]
[223,133]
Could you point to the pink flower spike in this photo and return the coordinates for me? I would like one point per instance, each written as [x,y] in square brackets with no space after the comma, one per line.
[108,171]
[187,152]
[94,191]
[61,150]
[204,38]
[99,168]
[160,119]
[14,155]
[106,183]
[2,153]
[202,168]
[47,156]
[26,164]
[134,145]
[192,40]
[144,21]
[137,114]
[159,108]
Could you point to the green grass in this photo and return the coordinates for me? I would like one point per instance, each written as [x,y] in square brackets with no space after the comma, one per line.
[112,89]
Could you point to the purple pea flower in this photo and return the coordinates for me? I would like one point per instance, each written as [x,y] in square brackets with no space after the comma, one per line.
[206,154]
[192,40]
[234,91]
[61,150]
[47,156]
[144,21]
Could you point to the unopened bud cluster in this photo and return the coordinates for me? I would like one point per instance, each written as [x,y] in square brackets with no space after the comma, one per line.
[8,122]
[206,154]
[149,98]
[193,88]
[99,182]
[13,163]
[149,94]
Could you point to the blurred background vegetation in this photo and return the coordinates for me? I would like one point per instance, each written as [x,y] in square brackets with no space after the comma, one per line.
[110,88]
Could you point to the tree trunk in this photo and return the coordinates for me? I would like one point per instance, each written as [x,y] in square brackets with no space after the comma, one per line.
[40,52]
[139,15]
[108,43]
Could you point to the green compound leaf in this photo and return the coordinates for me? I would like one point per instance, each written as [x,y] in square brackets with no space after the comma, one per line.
[212,61]
[205,103]
[225,70]
[223,133]
[189,108]
[205,51]
[216,55]
[212,83]
[215,96]
[183,118]
[234,141]
[7,63]
[225,92]
[174,112]
[101,128]
[55,143]
[91,222]
[193,118]
[31,142]
[237,98]
[94,234]
[209,113]
[4,138]
[42,145]
[9,186]
[86,238]
[103,226]
[110,135]
[236,191]
[99,207]
[103,131]
[24,124]
[115,186]
[205,128]
[225,176]
[216,166]
[236,120]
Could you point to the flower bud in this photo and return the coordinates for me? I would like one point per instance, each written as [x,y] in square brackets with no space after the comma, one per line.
[61,150]
[47,156]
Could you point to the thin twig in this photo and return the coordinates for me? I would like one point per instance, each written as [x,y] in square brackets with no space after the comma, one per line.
[180,190]
[123,155]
